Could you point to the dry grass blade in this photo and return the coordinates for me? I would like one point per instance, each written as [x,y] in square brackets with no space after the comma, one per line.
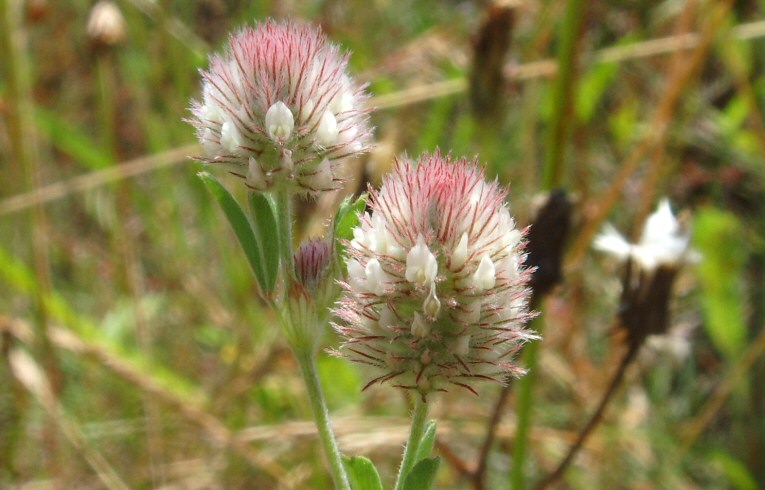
[81,183]
[742,366]
[65,339]
[32,377]
[599,207]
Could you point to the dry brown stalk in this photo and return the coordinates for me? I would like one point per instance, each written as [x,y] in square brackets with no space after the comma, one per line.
[190,409]
[598,208]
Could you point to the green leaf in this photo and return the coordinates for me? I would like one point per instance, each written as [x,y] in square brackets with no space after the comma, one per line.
[262,208]
[736,473]
[718,236]
[362,473]
[347,217]
[423,475]
[71,141]
[242,228]
[427,442]
[592,87]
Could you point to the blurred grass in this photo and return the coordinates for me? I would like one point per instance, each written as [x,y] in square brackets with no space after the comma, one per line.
[211,345]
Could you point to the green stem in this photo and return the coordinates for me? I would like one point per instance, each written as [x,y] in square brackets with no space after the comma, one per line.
[563,91]
[307,363]
[284,229]
[525,397]
[412,445]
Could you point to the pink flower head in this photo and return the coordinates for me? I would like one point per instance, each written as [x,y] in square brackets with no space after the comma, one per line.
[312,262]
[279,108]
[436,293]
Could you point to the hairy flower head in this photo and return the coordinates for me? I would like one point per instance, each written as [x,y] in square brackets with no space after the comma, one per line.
[436,293]
[279,108]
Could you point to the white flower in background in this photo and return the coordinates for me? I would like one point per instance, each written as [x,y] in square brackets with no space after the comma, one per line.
[652,266]
[280,110]
[663,241]
[106,25]
[437,293]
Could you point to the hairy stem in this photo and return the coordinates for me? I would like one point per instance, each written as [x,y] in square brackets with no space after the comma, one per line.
[413,443]
[307,363]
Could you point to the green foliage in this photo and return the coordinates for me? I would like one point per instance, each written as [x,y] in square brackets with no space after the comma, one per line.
[718,237]
[346,219]
[362,473]
[735,471]
[427,442]
[423,475]
[263,211]
[254,245]
[72,141]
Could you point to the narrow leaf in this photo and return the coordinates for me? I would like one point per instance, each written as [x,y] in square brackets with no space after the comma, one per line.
[241,226]
[347,217]
[427,442]
[423,475]
[362,473]
[262,208]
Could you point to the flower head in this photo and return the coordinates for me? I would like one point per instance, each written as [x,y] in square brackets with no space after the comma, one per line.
[652,266]
[663,241]
[310,295]
[279,108]
[436,293]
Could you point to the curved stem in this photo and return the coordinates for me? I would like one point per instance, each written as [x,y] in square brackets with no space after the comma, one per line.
[412,445]
[307,363]
[595,419]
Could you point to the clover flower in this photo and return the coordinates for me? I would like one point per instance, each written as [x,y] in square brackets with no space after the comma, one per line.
[436,293]
[280,110]
[310,295]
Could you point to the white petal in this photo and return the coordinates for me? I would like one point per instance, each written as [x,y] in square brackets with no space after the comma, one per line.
[322,179]
[387,317]
[306,110]
[356,274]
[432,305]
[459,255]
[420,328]
[375,277]
[462,345]
[485,276]
[326,133]
[279,121]
[421,264]
[612,242]
[470,312]
[255,176]
[230,139]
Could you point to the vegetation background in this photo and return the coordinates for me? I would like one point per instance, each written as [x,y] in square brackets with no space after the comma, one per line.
[135,353]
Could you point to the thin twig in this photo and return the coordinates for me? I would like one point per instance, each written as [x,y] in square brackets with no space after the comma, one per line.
[131,168]
[595,419]
[33,378]
[599,207]
[743,364]
[412,95]
[214,428]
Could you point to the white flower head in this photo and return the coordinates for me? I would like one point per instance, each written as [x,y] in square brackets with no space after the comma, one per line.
[453,306]
[663,242]
[281,89]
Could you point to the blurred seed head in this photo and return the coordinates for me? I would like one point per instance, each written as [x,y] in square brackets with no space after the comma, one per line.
[280,109]
[652,265]
[106,25]
[436,295]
